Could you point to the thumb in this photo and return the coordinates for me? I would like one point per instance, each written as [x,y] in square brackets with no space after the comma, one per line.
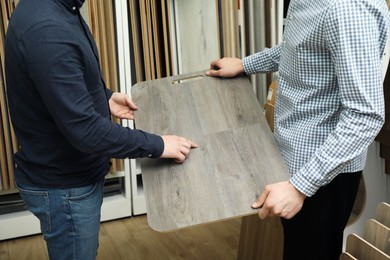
[131,104]
[260,201]
[212,72]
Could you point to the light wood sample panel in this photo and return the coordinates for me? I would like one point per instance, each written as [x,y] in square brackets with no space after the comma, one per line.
[237,155]
[377,235]
[346,256]
[361,249]
[383,214]
[197,34]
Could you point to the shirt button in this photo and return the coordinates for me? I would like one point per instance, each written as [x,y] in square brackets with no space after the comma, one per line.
[74,8]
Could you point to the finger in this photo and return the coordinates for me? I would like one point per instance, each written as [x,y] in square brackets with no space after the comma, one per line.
[130,116]
[180,158]
[185,151]
[213,73]
[131,104]
[193,144]
[127,116]
[124,115]
[214,64]
[263,213]
[260,201]
[189,144]
[184,142]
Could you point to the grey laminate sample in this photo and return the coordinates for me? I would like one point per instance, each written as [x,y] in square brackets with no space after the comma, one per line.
[237,155]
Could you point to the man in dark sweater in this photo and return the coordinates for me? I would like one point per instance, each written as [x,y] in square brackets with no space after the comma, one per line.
[60,110]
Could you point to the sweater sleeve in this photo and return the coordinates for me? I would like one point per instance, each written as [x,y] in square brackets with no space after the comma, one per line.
[56,64]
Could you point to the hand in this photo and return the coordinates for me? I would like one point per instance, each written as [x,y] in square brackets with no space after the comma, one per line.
[226,67]
[121,106]
[280,199]
[177,147]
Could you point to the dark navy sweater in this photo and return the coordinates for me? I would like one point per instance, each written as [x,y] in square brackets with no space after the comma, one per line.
[58,100]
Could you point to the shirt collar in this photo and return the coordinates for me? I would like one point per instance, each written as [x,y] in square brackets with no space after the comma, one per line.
[72,4]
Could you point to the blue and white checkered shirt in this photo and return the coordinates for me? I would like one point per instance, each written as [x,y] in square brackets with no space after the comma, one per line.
[329,102]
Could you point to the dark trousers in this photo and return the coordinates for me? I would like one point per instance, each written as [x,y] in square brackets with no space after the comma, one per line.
[316,232]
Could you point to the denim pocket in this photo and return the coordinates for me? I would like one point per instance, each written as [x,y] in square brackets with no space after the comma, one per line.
[84,204]
[85,200]
[81,193]
[37,201]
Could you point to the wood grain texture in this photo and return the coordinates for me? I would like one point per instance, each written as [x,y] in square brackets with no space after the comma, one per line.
[145,40]
[237,155]
[378,235]
[150,38]
[196,34]
[166,32]
[31,247]
[132,238]
[136,34]
[362,250]
[346,256]
[260,239]
[383,214]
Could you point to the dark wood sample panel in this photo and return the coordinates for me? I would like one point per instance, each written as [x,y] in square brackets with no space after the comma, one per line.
[237,155]
[384,135]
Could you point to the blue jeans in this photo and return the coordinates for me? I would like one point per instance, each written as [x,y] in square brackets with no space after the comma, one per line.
[69,219]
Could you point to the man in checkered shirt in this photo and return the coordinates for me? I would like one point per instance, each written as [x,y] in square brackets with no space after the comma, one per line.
[329,108]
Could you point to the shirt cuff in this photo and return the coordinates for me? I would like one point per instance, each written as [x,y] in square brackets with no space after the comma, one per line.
[153,147]
[303,185]
[109,93]
[249,65]
[158,151]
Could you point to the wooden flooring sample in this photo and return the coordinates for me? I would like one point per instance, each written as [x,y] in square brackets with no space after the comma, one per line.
[362,250]
[383,214]
[346,256]
[377,235]
[237,155]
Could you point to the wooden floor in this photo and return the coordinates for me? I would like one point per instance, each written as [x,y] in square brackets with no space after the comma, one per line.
[132,238]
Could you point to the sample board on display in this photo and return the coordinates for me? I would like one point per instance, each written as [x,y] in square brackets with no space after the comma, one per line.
[237,155]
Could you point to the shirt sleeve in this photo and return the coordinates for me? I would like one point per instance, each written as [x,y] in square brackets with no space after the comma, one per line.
[263,62]
[56,66]
[355,37]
